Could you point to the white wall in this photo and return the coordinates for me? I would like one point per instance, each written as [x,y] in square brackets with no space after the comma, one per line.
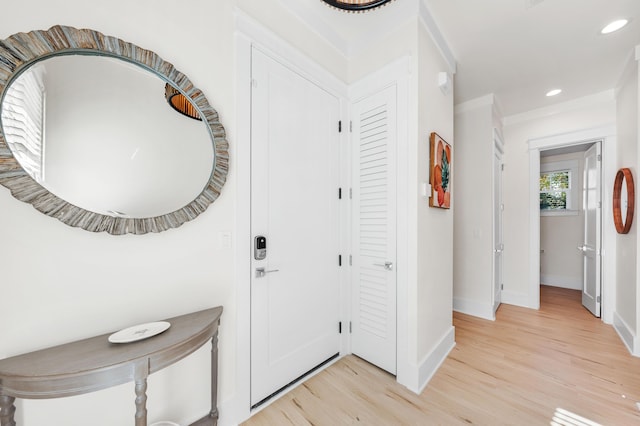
[473,226]
[434,262]
[627,99]
[590,112]
[284,24]
[60,283]
[561,264]
[424,264]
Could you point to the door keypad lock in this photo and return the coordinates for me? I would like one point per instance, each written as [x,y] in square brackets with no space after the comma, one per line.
[260,247]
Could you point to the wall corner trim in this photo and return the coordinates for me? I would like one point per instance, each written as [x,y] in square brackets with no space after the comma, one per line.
[474,308]
[425,370]
[516,299]
[628,337]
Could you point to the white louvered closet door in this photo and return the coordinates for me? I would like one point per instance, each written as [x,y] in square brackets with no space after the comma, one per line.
[373,317]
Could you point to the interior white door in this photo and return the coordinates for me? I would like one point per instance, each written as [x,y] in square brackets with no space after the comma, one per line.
[498,242]
[591,247]
[373,311]
[294,187]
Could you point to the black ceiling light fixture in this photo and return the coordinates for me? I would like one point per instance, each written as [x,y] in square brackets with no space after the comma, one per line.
[356,5]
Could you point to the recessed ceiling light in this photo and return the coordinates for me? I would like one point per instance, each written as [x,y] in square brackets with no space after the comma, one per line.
[614,26]
[554,92]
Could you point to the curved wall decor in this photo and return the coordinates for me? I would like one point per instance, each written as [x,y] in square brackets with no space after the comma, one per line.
[22,50]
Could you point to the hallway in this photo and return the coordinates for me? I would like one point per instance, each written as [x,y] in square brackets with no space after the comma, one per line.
[525,368]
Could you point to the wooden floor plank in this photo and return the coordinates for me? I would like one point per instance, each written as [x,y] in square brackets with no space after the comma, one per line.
[522,369]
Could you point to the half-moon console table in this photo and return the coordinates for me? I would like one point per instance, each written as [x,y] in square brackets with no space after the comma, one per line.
[93,364]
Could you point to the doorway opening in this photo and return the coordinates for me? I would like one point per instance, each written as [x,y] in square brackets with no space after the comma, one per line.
[570,220]
[601,214]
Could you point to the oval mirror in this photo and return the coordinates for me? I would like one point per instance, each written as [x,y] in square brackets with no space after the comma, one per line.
[623,201]
[104,135]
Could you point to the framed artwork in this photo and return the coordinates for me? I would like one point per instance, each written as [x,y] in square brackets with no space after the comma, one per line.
[440,172]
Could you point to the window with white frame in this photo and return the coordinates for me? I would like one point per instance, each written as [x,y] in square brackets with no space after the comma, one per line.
[559,187]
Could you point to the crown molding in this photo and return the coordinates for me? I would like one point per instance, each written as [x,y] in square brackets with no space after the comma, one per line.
[317,25]
[583,102]
[399,13]
[482,101]
[429,23]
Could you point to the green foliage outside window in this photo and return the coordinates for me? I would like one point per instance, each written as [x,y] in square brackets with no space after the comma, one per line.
[553,190]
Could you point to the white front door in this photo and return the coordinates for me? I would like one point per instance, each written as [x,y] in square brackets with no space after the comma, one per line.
[373,308]
[591,247]
[498,208]
[294,186]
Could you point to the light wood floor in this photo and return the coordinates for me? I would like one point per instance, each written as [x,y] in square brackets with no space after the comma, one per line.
[523,369]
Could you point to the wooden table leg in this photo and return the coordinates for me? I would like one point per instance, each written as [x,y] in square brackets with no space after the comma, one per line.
[7,410]
[141,402]
[211,419]
[214,378]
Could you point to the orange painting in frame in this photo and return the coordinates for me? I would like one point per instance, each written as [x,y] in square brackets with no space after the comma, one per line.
[440,172]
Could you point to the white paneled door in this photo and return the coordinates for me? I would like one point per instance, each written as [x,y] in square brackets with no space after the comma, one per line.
[295,225]
[591,247]
[373,308]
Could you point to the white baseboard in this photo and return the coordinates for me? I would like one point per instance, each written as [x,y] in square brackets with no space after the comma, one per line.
[472,307]
[514,298]
[628,337]
[573,283]
[430,363]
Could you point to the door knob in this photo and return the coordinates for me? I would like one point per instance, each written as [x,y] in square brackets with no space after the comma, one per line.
[261,272]
[386,265]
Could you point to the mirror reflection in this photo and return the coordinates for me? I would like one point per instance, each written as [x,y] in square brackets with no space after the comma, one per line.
[624,200]
[98,132]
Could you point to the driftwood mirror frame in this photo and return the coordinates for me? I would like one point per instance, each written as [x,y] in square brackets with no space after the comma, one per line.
[626,176]
[21,50]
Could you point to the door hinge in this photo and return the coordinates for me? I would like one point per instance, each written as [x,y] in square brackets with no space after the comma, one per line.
[254,82]
[339,193]
[350,329]
[350,126]
[350,193]
[339,260]
[598,299]
[339,126]
[340,327]
[599,204]
[501,286]
[599,157]
[350,260]
[502,167]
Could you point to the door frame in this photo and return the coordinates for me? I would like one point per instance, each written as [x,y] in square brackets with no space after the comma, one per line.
[498,146]
[252,34]
[607,136]
[274,374]
[396,73]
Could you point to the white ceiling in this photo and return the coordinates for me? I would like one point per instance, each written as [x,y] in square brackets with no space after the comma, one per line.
[519,51]
[516,49]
